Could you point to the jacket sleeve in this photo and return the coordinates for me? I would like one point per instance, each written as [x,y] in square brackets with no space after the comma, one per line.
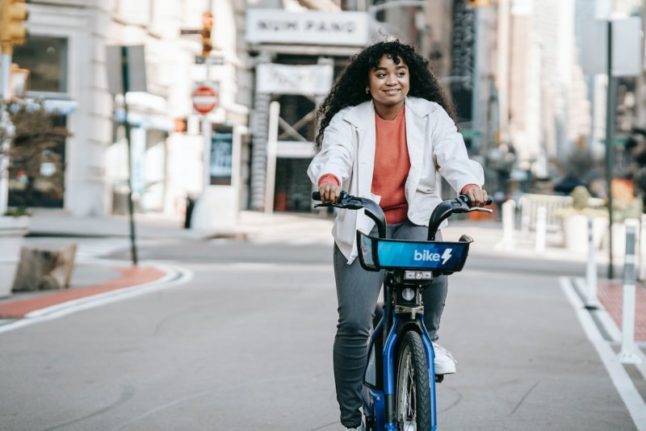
[451,156]
[336,152]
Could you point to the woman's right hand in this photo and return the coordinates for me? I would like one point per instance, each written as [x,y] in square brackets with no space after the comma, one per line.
[330,192]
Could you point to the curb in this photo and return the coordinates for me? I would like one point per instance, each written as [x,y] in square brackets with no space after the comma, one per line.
[133,282]
[20,308]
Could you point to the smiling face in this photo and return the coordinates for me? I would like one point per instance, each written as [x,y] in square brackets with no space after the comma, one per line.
[389,83]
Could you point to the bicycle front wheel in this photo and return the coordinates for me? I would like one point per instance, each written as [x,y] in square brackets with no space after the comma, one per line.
[412,397]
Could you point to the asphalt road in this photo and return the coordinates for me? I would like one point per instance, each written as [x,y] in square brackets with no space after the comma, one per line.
[246,345]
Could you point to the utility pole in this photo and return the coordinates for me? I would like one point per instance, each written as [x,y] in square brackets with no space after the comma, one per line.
[126,124]
[610,131]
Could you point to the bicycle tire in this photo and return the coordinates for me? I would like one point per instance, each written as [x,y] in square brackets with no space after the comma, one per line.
[412,396]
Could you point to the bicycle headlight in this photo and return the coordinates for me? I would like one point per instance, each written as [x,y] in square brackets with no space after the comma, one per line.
[408,294]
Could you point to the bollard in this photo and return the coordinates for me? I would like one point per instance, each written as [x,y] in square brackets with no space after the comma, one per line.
[508,214]
[541,228]
[627,354]
[642,248]
[591,302]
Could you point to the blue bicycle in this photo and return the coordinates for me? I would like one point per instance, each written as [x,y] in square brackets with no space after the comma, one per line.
[399,382]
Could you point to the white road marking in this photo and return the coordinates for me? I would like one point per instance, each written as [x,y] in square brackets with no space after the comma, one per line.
[620,378]
[174,276]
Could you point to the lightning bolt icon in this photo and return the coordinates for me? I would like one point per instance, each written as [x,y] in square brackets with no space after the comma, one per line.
[446,255]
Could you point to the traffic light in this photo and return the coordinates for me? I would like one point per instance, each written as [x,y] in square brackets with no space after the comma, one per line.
[207,25]
[478,3]
[13,14]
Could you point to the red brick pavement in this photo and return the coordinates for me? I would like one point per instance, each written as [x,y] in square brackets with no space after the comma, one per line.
[130,277]
[610,295]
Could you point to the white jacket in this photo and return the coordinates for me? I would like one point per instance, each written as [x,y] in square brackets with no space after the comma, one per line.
[434,146]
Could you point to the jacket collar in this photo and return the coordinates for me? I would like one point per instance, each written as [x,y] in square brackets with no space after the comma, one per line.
[359,115]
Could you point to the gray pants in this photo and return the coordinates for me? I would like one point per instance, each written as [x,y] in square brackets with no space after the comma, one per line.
[357,292]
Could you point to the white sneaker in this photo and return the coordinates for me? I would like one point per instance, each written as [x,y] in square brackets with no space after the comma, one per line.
[444,362]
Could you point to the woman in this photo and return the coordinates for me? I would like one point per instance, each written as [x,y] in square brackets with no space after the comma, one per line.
[385,134]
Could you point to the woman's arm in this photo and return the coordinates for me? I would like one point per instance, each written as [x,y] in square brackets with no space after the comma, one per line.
[333,164]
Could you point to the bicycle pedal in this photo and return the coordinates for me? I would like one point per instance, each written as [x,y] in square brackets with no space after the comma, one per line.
[439,378]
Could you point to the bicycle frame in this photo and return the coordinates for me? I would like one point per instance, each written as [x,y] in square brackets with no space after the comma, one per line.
[381,402]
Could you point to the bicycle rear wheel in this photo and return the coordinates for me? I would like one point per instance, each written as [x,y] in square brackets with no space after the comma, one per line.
[412,397]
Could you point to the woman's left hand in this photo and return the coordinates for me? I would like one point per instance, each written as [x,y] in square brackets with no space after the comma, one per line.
[476,194]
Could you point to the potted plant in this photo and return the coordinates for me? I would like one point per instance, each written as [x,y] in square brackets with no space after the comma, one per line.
[575,221]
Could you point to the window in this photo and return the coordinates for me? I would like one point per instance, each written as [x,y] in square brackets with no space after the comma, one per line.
[46,59]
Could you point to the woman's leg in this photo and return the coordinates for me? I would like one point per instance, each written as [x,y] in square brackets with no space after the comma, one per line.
[433,296]
[357,293]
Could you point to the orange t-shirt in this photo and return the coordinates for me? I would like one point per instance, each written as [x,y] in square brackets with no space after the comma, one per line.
[392,164]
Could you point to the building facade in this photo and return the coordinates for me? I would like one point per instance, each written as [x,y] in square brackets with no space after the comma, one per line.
[66,54]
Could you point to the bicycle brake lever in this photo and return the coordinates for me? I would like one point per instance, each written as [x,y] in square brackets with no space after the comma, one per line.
[480,209]
[353,205]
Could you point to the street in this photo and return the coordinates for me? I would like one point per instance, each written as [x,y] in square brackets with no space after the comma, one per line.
[246,345]
[163,266]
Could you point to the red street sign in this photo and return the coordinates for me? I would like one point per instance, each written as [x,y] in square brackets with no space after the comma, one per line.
[205,98]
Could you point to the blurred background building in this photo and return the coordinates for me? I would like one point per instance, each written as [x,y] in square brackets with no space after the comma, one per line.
[515,70]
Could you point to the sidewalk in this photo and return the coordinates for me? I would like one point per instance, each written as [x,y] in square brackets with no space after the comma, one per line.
[251,225]
[610,294]
[20,305]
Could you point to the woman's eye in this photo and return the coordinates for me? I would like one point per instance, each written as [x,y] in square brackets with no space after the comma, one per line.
[381,76]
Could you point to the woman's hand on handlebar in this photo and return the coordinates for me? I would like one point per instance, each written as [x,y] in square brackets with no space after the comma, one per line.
[477,195]
[329,192]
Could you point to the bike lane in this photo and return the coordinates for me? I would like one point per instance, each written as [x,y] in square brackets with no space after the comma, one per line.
[524,361]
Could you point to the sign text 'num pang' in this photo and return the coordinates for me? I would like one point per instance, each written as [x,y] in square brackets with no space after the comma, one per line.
[330,26]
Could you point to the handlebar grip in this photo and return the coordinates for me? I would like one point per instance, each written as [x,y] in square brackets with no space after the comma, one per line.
[316,196]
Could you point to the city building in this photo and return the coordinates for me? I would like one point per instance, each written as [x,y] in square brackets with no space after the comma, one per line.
[513,68]
[71,70]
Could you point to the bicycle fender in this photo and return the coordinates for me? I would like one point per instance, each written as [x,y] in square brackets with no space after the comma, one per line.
[430,360]
[389,375]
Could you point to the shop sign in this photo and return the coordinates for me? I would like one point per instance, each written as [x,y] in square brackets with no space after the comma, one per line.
[311,28]
[288,79]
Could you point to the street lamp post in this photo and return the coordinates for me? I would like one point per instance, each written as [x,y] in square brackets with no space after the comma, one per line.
[610,126]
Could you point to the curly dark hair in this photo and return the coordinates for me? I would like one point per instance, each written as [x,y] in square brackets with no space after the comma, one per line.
[349,89]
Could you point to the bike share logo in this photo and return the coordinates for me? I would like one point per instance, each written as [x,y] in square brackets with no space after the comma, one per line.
[428,256]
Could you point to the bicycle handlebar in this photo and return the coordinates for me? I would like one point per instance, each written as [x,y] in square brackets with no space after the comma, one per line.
[346,201]
[443,211]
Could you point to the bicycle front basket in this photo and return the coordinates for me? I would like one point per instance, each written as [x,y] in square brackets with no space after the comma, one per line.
[444,257]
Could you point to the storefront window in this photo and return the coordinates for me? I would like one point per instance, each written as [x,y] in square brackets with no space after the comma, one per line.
[37,175]
[46,59]
[221,158]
